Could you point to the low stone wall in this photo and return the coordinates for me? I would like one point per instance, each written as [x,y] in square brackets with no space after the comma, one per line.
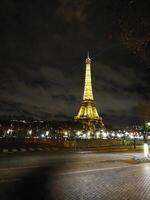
[89,143]
[77,143]
[131,142]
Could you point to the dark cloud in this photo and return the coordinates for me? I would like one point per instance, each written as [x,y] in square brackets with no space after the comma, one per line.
[42,57]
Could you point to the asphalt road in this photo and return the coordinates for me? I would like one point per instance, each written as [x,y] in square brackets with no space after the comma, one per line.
[73,176]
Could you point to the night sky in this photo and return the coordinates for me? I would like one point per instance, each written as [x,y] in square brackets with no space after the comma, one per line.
[43,46]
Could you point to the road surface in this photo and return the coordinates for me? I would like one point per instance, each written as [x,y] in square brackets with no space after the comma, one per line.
[73,176]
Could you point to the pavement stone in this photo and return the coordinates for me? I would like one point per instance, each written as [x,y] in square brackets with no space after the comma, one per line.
[131,183]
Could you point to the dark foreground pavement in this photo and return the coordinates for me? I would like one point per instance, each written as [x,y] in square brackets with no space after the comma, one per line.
[72,176]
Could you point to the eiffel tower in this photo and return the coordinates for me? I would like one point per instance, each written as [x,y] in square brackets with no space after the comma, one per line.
[87,113]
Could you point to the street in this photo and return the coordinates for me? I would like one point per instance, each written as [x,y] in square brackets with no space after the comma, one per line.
[82,175]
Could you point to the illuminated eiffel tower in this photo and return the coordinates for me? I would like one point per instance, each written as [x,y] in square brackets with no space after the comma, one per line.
[87,113]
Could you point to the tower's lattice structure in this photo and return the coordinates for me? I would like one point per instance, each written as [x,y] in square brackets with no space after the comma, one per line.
[87,113]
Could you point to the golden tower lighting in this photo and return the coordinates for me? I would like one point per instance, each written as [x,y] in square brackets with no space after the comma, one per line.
[87,113]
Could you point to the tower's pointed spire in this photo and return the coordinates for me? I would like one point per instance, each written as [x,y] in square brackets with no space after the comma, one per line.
[88,93]
[88,60]
[88,55]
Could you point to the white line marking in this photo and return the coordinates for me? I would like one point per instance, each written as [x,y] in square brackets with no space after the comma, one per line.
[14,150]
[95,170]
[47,148]
[23,150]
[72,172]
[20,168]
[5,150]
[31,149]
[40,149]
[9,180]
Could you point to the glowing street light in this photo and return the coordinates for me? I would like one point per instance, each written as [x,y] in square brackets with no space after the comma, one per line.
[97,134]
[47,133]
[9,131]
[30,132]
[104,134]
[88,135]
[65,134]
[148,124]
[78,133]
